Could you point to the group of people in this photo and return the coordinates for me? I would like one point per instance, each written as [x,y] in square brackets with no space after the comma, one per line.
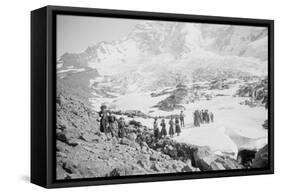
[202,116]
[114,127]
[175,125]
[110,125]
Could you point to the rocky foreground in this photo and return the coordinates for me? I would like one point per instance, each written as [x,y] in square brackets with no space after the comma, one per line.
[84,152]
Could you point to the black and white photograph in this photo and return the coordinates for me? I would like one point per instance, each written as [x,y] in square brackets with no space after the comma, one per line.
[145,97]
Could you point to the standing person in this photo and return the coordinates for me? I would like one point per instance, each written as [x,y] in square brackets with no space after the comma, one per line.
[121,128]
[178,128]
[103,119]
[201,116]
[196,118]
[207,116]
[211,117]
[112,129]
[204,116]
[156,128]
[171,129]
[182,119]
[163,129]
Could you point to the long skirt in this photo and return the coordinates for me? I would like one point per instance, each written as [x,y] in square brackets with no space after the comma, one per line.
[103,127]
[171,131]
[178,129]
[163,131]
[156,133]
[121,132]
[196,122]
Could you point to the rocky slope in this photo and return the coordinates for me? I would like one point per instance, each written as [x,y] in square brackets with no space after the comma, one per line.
[76,84]
[82,151]
[257,91]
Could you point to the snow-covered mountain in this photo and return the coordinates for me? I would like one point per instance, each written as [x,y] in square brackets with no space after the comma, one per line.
[160,68]
[154,51]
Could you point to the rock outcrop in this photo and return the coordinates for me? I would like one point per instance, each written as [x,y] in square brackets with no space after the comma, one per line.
[206,160]
[182,94]
[261,158]
[201,158]
[257,91]
[83,152]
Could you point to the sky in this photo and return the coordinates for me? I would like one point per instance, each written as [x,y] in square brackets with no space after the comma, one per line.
[76,33]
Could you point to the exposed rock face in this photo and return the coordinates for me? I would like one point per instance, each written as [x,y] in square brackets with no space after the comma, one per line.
[213,73]
[173,101]
[261,158]
[257,91]
[74,120]
[77,84]
[83,152]
[254,158]
[199,157]
[245,157]
[206,160]
[181,95]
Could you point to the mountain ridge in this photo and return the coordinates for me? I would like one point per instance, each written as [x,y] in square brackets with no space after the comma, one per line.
[153,51]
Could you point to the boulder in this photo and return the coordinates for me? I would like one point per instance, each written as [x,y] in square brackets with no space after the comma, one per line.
[155,167]
[144,163]
[261,158]
[125,141]
[205,160]
[70,167]
[153,157]
[132,136]
[245,157]
[117,172]
[62,137]
[121,171]
[67,138]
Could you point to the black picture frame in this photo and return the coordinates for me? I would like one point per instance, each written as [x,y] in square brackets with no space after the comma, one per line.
[43,93]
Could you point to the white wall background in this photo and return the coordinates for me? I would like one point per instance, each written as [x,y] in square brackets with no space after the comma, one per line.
[15,94]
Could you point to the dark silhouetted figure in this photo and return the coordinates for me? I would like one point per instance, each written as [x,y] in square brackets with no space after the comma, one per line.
[196,118]
[156,129]
[121,127]
[206,116]
[163,128]
[201,113]
[211,117]
[171,129]
[178,128]
[182,119]
[103,119]
[112,128]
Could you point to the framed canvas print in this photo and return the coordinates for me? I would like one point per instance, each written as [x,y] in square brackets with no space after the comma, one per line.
[126,96]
